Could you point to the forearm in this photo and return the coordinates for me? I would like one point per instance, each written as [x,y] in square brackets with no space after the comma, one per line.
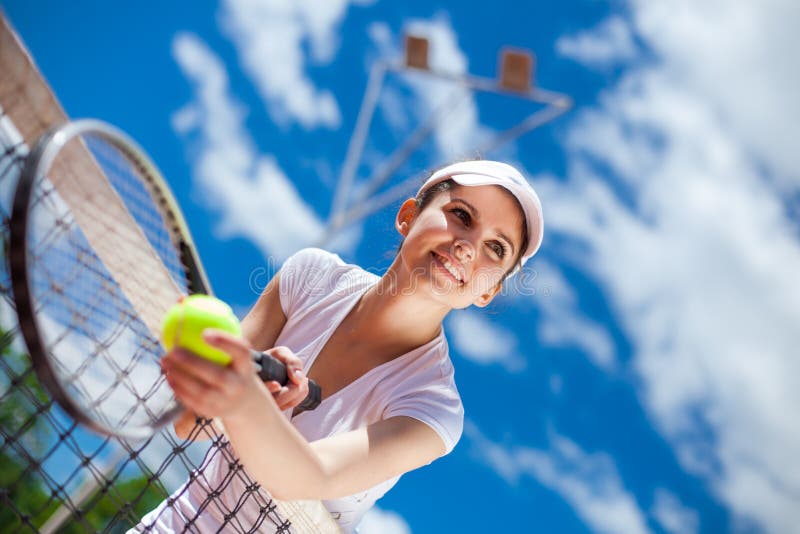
[274,452]
[266,319]
[332,467]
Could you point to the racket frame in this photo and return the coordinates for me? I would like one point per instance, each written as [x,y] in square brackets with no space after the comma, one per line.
[38,163]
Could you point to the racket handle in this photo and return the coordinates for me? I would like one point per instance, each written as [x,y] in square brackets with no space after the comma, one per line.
[271,368]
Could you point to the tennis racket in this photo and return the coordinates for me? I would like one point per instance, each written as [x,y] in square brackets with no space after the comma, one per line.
[98,252]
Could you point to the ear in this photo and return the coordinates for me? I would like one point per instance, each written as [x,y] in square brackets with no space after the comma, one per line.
[405,215]
[488,297]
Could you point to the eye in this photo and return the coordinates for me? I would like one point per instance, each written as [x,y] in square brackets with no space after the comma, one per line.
[498,249]
[464,215]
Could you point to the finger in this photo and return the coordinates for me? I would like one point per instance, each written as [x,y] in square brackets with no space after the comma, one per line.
[292,396]
[289,401]
[281,399]
[297,376]
[177,377]
[300,393]
[192,393]
[273,386]
[237,347]
[181,361]
[294,365]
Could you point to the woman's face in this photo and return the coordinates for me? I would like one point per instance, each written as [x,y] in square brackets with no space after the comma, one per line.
[462,243]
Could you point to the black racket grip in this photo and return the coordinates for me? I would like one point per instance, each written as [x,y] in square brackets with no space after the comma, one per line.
[270,368]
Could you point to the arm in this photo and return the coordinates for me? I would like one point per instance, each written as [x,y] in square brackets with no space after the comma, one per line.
[260,328]
[360,459]
[332,467]
[264,322]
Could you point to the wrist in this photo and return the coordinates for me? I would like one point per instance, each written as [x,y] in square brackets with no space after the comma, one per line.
[254,406]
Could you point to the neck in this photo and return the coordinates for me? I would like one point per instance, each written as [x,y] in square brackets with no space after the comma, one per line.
[391,309]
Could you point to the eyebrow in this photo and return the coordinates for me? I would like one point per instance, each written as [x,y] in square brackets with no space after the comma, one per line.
[476,214]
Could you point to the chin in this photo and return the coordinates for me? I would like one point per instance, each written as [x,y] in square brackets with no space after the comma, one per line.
[446,291]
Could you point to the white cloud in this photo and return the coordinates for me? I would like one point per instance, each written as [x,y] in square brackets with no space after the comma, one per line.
[271,38]
[608,44]
[691,242]
[563,324]
[186,119]
[381,35]
[232,176]
[672,515]
[478,339]
[589,482]
[736,57]
[378,521]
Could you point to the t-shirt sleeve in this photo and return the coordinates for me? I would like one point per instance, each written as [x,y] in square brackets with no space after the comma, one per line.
[436,404]
[303,277]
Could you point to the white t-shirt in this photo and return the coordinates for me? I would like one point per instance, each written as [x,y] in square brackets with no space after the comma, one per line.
[317,291]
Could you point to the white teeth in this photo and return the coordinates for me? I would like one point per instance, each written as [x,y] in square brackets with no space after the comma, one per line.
[450,268]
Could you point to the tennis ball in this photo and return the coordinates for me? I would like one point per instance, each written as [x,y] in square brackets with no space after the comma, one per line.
[184,323]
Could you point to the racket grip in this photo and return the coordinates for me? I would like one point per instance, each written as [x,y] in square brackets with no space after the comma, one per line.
[271,368]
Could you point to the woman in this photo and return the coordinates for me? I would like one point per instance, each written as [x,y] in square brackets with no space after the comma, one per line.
[374,344]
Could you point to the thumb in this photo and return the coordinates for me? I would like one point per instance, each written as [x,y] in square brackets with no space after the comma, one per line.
[236,347]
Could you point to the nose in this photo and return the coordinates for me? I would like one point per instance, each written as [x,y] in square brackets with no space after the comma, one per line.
[463,250]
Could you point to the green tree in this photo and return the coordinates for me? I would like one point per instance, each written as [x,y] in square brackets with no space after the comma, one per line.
[26,499]
[24,495]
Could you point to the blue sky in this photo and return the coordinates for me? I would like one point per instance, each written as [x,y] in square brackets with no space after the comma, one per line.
[647,381]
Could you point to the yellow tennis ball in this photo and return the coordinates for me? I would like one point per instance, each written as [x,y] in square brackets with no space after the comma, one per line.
[184,323]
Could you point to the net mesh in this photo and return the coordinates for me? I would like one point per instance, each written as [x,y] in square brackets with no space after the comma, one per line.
[55,475]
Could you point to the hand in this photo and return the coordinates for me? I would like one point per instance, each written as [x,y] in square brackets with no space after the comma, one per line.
[189,425]
[185,423]
[212,390]
[296,389]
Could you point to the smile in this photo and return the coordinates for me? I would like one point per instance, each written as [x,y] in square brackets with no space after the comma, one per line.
[447,266]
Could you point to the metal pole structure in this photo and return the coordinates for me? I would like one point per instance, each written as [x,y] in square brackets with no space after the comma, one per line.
[532,122]
[514,80]
[399,156]
[356,145]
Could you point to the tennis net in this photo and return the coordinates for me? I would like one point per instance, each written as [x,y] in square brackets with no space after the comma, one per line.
[54,474]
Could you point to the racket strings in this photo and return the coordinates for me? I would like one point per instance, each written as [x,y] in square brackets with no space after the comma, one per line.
[144,201]
[85,312]
[73,290]
[104,223]
[58,249]
[44,455]
[33,433]
[81,313]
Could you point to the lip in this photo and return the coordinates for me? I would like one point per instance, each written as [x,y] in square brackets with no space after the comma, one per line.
[438,257]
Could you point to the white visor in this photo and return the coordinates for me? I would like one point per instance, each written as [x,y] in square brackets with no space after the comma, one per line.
[483,172]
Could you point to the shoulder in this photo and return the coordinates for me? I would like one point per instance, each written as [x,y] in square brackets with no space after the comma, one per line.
[309,257]
[314,265]
[313,273]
